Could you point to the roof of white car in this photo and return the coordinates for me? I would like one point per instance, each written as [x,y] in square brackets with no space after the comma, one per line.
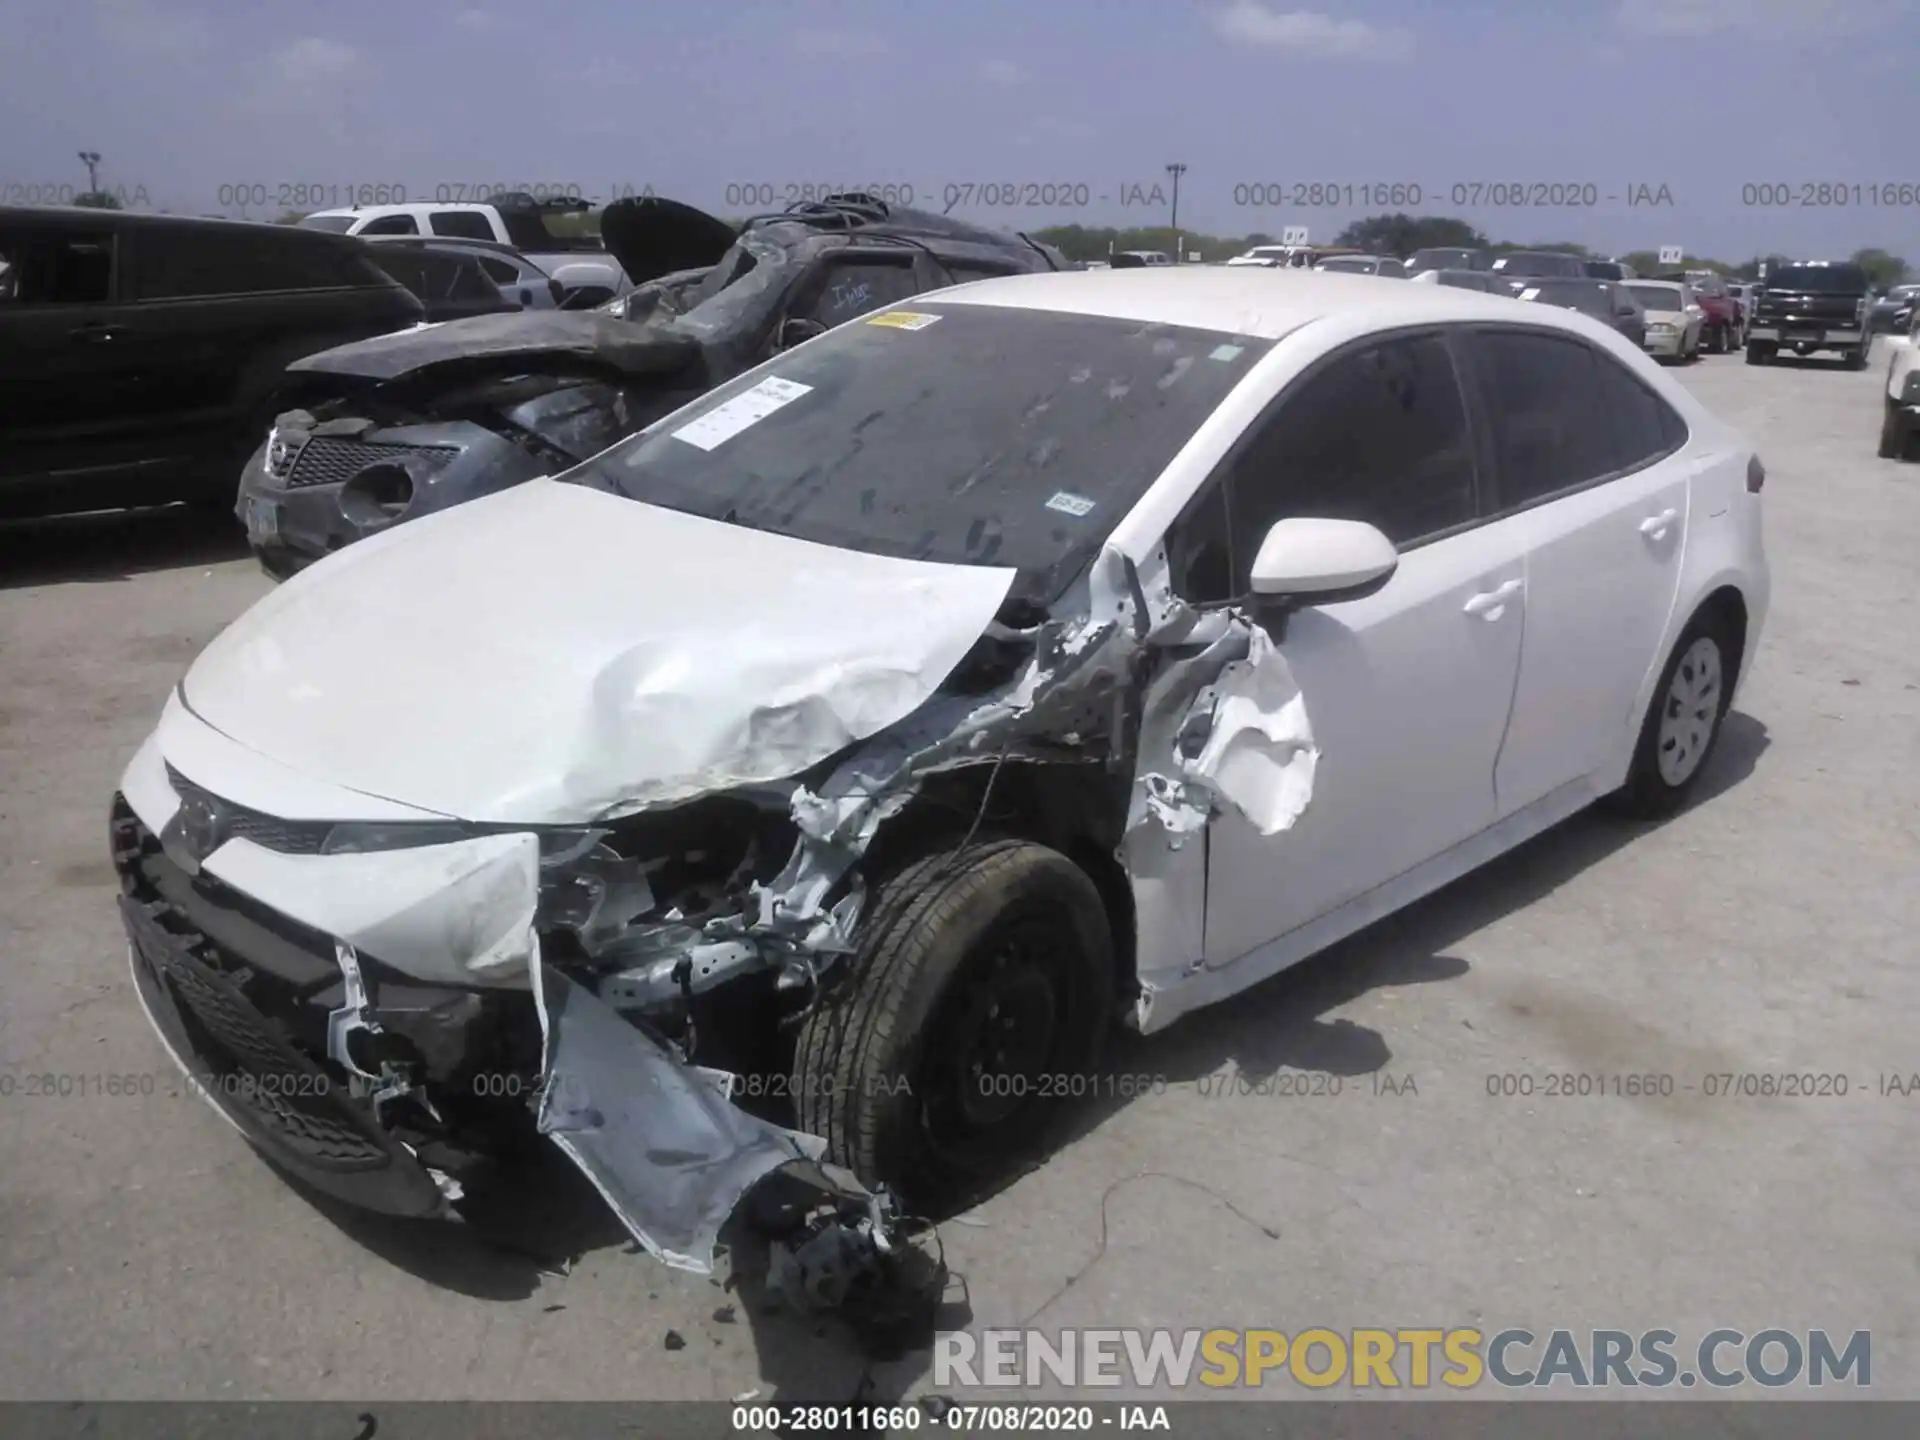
[407,208]
[1241,300]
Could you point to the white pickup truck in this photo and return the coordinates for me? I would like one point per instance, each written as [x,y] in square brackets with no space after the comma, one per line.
[586,272]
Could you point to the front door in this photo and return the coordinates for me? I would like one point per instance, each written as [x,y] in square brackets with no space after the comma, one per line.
[1407,690]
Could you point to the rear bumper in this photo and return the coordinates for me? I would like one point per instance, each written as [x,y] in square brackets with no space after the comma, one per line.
[1816,337]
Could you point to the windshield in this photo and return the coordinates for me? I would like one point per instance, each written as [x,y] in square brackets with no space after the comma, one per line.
[1819,279]
[1656,297]
[961,434]
[1605,270]
[1589,299]
[1445,257]
[1354,267]
[337,223]
[1524,264]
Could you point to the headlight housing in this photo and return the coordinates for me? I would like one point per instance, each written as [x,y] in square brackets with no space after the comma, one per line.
[558,846]
[282,451]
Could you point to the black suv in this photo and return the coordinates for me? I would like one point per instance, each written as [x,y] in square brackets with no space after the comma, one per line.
[139,353]
[1809,306]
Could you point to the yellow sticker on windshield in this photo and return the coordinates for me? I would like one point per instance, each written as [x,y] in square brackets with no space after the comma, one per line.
[902,319]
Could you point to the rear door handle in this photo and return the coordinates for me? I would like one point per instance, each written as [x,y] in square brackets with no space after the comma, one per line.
[94,332]
[1655,526]
[1491,604]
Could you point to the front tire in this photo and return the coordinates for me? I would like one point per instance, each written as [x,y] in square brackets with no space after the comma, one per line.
[1893,431]
[966,1023]
[1759,354]
[1682,724]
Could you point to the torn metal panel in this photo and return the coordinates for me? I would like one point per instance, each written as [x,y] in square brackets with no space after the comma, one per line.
[660,1140]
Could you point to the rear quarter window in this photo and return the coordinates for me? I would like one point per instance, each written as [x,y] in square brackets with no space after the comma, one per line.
[186,264]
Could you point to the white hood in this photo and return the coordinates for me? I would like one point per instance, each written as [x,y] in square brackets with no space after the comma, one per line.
[555,654]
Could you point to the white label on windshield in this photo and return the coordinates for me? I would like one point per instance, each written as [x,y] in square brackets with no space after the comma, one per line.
[1068,503]
[1533,294]
[1227,352]
[744,410]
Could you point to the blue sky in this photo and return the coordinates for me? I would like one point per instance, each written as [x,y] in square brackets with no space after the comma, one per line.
[183,97]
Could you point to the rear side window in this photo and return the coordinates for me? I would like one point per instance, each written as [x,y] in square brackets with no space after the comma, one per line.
[1549,434]
[391,225]
[172,264]
[470,224]
[963,271]
[848,289]
[43,267]
[1645,428]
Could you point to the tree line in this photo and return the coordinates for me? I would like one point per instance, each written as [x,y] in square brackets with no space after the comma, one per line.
[1401,235]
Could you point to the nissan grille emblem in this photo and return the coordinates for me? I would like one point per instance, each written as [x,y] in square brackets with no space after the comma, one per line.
[202,827]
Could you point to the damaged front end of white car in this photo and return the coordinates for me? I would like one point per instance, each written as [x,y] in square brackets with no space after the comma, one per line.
[702,884]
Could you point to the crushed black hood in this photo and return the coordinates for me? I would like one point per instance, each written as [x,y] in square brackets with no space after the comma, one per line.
[651,236]
[536,338]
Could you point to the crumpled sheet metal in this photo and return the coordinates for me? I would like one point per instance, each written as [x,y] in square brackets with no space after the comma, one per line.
[659,1139]
[1222,724]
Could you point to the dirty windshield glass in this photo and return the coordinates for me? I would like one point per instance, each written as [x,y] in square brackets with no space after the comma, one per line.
[962,434]
[1575,295]
[1819,279]
[1655,297]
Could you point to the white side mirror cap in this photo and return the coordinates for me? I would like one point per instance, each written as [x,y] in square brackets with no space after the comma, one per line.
[1322,558]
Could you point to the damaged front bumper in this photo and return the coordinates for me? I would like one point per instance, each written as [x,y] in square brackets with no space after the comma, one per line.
[306,493]
[274,978]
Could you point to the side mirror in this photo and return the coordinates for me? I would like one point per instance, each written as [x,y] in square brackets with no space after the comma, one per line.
[798,332]
[1322,562]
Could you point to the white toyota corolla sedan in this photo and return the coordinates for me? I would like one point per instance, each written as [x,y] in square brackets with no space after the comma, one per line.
[811,779]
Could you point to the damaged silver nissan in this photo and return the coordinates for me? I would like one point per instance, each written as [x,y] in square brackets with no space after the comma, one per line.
[807,783]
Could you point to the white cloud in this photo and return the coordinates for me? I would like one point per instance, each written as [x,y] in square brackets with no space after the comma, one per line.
[841,44]
[1760,19]
[1003,73]
[311,62]
[143,28]
[1067,129]
[1312,34]
[471,19]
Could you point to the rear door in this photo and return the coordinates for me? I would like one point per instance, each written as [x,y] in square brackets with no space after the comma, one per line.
[222,310]
[68,385]
[1585,462]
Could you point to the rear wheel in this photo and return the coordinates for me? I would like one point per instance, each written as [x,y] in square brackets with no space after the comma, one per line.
[1682,723]
[1758,354]
[1856,358]
[964,1026]
[1893,431]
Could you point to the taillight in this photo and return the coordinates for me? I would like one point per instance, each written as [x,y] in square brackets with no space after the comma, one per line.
[1756,475]
[557,290]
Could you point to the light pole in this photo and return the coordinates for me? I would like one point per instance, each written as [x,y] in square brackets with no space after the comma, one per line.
[91,159]
[1176,171]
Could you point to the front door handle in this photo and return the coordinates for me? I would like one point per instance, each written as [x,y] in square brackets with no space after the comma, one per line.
[1492,604]
[1654,527]
[94,333]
